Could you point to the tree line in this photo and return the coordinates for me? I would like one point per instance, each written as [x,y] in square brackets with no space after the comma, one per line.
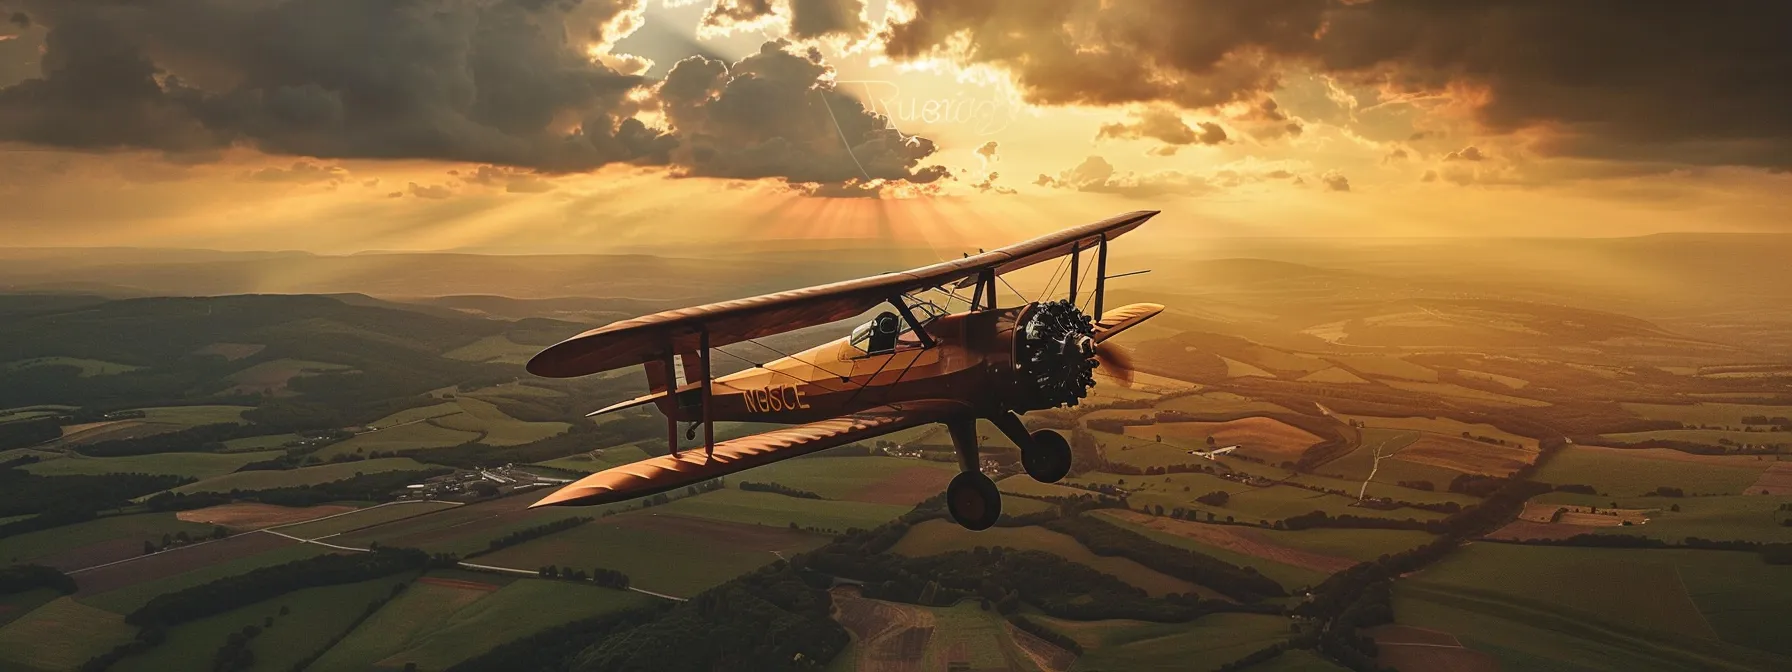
[530,533]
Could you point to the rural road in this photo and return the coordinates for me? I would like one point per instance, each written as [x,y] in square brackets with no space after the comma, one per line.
[320,542]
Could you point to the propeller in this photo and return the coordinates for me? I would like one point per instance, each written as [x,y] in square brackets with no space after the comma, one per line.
[1116,363]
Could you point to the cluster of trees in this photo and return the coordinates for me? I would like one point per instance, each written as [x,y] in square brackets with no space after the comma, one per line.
[24,493]
[536,532]
[20,578]
[778,488]
[1318,519]
[234,655]
[1772,553]
[1427,486]
[181,538]
[608,578]
[1240,583]
[554,648]
[579,439]
[1035,629]
[1665,491]
[22,433]
[201,439]
[1215,498]
[770,619]
[376,487]
[244,589]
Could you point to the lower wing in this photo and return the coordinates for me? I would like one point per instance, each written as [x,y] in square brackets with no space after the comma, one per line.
[691,466]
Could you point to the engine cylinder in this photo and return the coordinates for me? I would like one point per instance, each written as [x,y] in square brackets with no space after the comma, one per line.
[1054,356]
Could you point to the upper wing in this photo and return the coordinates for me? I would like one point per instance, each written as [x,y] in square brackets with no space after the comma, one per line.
[670,472]
[646,338]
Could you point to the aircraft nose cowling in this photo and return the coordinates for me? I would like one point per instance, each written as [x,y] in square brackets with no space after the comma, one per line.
[1056,352]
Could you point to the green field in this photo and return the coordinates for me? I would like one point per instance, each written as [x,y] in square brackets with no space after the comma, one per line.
[1616,472]
[134,528]
[1733,517]
[518,610]
[1218,403]
[254,443]
[462,530]
[192,465]
[1386,367]
[604,458]
[400,439]
[1247,503]
[497,349]
[655,558]
[193,416]
[839,477]
[323,473]
[60,635]
[499,429]
[1706,413]
[1617,609]
[765,508]
[421,609]
[316,616]
[88,367]
[1289,576]
[128,599]
[941,536]
[1707,437]
[1354,544]
[1203,644]
[363,518]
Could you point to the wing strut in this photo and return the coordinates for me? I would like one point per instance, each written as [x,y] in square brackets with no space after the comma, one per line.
[913,324]
[709,427]
[1101,274]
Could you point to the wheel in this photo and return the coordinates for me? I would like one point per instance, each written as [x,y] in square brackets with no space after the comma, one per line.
[973,500]
[1048,459]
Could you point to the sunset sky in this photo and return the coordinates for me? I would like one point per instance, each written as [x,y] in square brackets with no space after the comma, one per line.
[340,126]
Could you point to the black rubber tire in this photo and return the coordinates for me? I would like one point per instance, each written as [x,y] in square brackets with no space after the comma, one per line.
[973,500]
[1048,459]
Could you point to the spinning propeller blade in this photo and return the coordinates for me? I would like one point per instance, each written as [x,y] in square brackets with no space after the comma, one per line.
[1115,363]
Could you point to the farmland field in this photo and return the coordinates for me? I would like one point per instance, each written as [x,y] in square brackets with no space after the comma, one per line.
[95,541]
[60,635]
[400,439]
[1451,390]
[1386,367]
[1218,402]
[422,608]
[497,349]
[192,465]
[1707,437]
[600,459]
[1706,413]
[1737,517]
[765,508]
[88,367]
[1245,503]
[316,616]
[880,480]
[367,517]
[1624,472]
[254,443]
[499,429]
[1263,438]
[254,515]
[127,599]
[517,610]
[271,377]
[1603,608]
[1205,643]
[660,552]
[465,529]
[194,415]
[323,473]
[1176,533]
[933,537]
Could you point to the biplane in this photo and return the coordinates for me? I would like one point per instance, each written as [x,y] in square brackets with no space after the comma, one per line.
[912,364]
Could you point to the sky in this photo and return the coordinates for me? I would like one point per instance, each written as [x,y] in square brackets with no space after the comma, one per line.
[341,126]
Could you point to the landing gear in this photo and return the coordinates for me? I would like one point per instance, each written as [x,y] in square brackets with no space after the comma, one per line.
[1048,459]
[973,500]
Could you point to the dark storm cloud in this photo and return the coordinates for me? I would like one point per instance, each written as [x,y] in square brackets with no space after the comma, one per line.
[1619,79]
[494,81]
[777,114]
